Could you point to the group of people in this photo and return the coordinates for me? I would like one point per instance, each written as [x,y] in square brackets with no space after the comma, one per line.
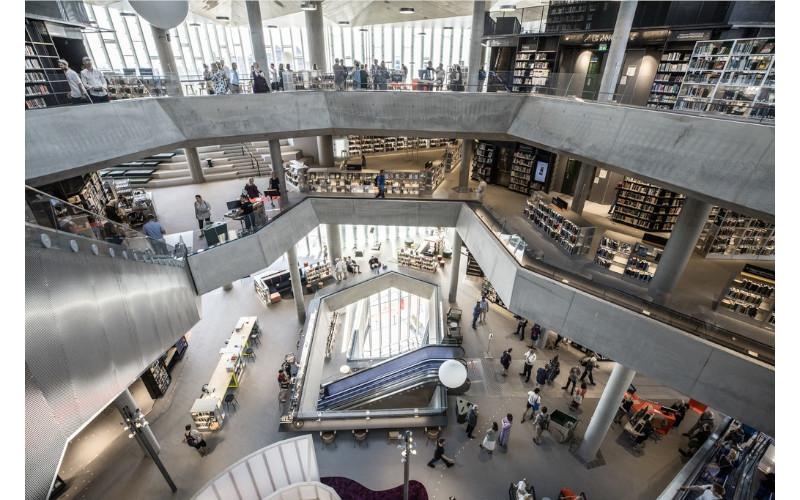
[479,311]
[343,266]
[88,87]
[221,80]
[286,374]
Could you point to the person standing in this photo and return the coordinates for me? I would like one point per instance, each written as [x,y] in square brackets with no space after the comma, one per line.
[540,424]
[533,403]
[505,361]
[246,211]
[505,430]
[274,80]
[250,189]
[202,212]
[77,90]
[356,76]
[337,75]
[260,85]
[283,386]
[476,314]
[364,78]
[218,79]
[706,417]
[363,161]
[484,309]
[153,230]
[439,77]
[207,78]
[481,79]
[577,399]
[472,420]
[193,438]
[589,363]
[235,88]
[380,181]
[404,72]
[481,190]
[490,439]
[574,373]
[274,186]
[340,269]
[94,81]
[527,367]
[439,455]
[280,77]
[521,324]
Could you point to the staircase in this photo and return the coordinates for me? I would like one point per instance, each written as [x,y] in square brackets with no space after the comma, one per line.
[230,161]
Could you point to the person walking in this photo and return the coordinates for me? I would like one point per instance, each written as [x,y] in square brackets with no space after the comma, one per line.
[193,438]
[484,309]
[340,269]
[94,81]
[706,417]
[490,439]
[207,78]
[521,324]
[536,332]
[589,363]
[380,182]
[274,80]
[250,189]
[527,367]
[533,403]
[505,361]
[274,187]
[283,386]
[476,314]
[577,398]
[202,212]
[246,211]
[439,455]
[572,378]
[472,420]
[540,424]
[505,430]
[404,72]
[77,90]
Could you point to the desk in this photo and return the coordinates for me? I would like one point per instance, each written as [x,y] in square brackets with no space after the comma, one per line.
[662,422]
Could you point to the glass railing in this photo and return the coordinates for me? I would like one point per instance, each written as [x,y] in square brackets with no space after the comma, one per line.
[662,96]
[44,210]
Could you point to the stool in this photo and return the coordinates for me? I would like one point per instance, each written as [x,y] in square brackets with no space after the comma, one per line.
[230,400]
[432,434]
[255,338]
[328,437]
[249,353]
[360,436]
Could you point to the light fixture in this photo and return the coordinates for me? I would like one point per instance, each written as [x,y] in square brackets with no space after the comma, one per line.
[447,27]
[364,30]
[344,23]
[93,23]
[194,24]
[270,26]
[407,10]
[508,8]
[127,14]
[223,18]
[421,33]
[308,6]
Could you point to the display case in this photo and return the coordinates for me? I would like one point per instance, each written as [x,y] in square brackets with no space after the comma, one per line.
[646,206]
[156,379]
[750,296]
[732,235]
[572,233]
[483,161]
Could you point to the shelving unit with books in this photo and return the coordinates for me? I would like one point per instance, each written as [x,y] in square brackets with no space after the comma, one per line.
[368,144]
[750,296]
[646,206]
[483,161]
[669,77]
[644,259]
[732,235]
[487,290]
[156,379]
[522,169]
[613,252]
[532,66]
[572,233]
[45,83]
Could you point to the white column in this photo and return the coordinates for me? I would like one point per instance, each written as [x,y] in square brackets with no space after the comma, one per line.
[466,164]
[125,398]
[334,242]
[618,383]
[195,167]
[455,269]
[297,284]
[257,35]
[478,15]
[276,157]
[315,29]
[681,243]
[167,59]
[583,187]
[616,51]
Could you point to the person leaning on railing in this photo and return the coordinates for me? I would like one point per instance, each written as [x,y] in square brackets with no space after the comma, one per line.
[260,85]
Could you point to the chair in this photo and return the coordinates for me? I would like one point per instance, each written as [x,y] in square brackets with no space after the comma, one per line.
[432,434]
[328,437]
[230,400]
[255,337]
[360,436]
[249,353]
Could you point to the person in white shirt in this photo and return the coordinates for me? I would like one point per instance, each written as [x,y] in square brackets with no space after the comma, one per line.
[340,269]
[273,77]
[77,91]
[710,491]
[533,403]
[94,81]
[527,367]
[234,78]
[481,191]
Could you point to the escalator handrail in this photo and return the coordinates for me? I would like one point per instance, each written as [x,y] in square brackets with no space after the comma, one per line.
[399,384]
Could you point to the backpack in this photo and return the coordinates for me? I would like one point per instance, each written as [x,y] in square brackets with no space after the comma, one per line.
[505,359]
[190,440]
[544,422]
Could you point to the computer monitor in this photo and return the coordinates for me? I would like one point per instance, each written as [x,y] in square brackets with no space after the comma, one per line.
[233,205]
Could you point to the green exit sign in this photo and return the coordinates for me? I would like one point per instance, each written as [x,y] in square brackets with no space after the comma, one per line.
[602,47]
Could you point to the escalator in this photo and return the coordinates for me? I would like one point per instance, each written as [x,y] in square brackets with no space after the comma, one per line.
[406,381]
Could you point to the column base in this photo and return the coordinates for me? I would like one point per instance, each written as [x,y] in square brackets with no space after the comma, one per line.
[597,461]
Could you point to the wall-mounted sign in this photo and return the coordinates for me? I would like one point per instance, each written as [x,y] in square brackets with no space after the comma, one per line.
[690,35]
[540,175]
[500,42]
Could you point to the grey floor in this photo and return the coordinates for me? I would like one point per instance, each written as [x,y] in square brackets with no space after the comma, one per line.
[121,472]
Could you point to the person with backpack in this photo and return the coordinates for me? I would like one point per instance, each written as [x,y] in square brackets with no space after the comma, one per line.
[577,399]
[194,439]
[589,363]
[536,332]
[540,424]
[574,373]
[380,183]
[533,403]
[505,361]
[527,367]
[553,368]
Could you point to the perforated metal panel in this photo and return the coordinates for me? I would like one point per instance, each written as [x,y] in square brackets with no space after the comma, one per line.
[93,323]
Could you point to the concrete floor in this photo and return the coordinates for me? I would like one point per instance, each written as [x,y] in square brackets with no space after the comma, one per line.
[121,472]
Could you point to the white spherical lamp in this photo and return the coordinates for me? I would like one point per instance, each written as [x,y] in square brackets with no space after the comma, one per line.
[452,374]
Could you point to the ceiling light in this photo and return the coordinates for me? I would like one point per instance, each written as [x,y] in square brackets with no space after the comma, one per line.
[508,8]
[344,22]
[421,33]
[407,10]
[223,18]
[128,14]
[194,24]
[270,26]
[93,23]
[447,27]
[308,6]
[363,29]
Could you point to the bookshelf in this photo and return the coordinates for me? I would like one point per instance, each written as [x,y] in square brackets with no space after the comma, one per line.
[669,77]
[425,257]
[451,156]
[368,144]
[156,379]
[732,235]
[750,296]
[613,252]
[643,261]
[734,77]
[45,83]
[532,66]
[315,273]
[572,233]
[207,414]
[398,182]
[522,165]
[483,161]
[564,16]
[131,86]
[490,293]
[297,175]
[646,206]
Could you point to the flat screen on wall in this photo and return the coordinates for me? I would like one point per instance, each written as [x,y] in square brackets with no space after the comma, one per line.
[540,175]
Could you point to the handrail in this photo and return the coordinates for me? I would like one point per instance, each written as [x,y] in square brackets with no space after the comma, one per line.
[253,158]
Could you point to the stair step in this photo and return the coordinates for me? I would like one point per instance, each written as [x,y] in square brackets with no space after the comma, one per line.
[177,181]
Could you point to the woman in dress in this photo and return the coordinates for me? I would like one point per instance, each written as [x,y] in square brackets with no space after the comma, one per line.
[490,439]
[505,431]
[219,80]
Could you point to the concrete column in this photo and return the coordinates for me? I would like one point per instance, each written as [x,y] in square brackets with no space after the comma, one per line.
[297,284]
[618,383]
[583,187]
[690,223]
[616,51]
[316,38]
[167,59]
[276,157]
[466,163]
[257,35]
[325,150]
[126,399]
[478,14]
[455,270]
[334,242]
[195,167]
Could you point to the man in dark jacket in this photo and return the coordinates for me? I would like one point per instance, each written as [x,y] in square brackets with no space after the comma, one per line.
[505,360]
[472,420]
